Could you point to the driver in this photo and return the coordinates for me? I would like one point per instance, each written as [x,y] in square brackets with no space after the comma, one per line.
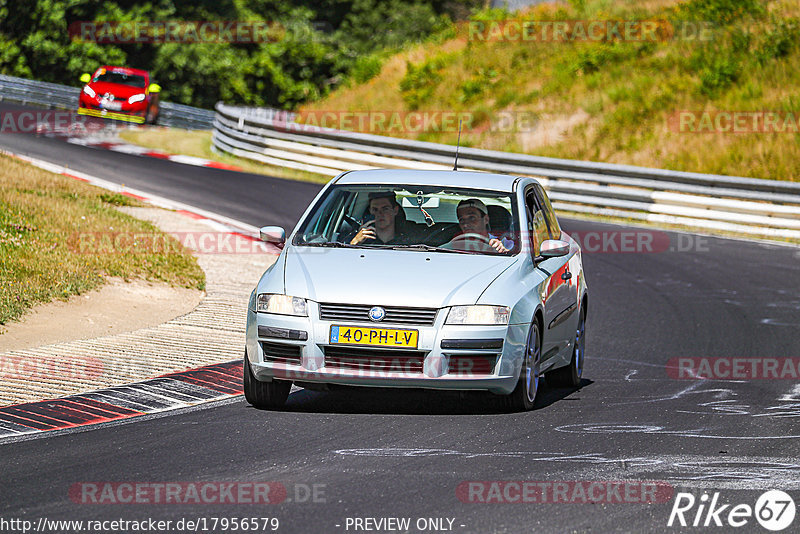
[384,228]
[473,218]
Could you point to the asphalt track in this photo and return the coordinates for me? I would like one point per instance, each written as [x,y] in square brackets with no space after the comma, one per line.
[376,453]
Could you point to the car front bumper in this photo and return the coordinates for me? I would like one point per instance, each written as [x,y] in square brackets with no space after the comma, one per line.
[473,357]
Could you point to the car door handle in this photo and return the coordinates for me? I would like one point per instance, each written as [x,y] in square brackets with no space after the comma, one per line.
[566,275]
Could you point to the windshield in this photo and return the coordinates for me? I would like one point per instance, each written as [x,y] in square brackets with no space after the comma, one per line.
[133,80]
[413,217]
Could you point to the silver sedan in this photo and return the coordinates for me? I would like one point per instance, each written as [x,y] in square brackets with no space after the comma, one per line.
[420,279]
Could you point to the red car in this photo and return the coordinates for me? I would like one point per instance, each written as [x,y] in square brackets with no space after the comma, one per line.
[120,93]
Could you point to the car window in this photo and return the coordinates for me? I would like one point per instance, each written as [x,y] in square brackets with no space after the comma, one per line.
[549,214]
[109,76]
[459,220]
[537,223]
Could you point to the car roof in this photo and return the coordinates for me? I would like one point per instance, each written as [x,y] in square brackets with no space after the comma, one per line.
[126,70]
[465,179]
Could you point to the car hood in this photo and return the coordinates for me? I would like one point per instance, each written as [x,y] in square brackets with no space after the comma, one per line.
[390,277]
[117,89]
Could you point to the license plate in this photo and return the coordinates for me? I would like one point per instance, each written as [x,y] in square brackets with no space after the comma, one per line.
[107,104]
[378,337]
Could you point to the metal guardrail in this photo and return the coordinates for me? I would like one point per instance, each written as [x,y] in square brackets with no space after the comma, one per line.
[51,95]
[187,117]
[730,203]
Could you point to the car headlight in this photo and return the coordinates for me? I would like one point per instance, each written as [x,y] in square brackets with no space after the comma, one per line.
[281,305]
[486,315]
[136,98]
[89,91]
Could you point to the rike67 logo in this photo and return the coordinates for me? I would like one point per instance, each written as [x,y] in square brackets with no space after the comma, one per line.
[774,510]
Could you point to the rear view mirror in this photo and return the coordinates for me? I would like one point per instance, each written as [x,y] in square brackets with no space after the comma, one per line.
[272,234]
[432,203]
[86,77]
[554,248]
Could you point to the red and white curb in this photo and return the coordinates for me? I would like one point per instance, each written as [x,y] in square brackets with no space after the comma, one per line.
[135,150]
[169,392]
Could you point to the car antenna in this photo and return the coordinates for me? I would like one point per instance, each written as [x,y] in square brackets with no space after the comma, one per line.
[458,143]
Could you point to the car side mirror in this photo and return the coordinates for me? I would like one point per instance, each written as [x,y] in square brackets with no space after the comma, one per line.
[154,88]
[86,77]
[272,234]
[553,248]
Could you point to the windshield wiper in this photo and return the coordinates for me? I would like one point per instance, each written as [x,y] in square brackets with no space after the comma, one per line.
[427,248]
[330,244]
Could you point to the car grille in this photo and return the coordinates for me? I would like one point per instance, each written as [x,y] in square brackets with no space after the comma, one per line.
[394,314]
[385,360]
[281,353]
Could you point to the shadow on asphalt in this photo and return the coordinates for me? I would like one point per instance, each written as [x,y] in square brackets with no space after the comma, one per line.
[362,400]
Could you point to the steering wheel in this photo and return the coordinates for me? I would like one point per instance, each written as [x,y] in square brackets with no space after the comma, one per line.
[352,221]
[471,242]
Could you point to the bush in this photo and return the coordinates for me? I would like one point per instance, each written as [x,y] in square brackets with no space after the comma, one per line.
[718,75]
[600,56]
[484,79]
[419,81]
[779,41]
[366,68]
[722,12]
[372,25]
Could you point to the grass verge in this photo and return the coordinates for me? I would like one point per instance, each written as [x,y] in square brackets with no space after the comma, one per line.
[197,143]
[40,216]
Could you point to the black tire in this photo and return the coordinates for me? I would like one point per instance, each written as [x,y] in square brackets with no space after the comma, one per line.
[264,395]
[570,375]
[523,397]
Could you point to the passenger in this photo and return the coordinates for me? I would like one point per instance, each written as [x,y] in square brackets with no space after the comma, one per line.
[473,218]
[384,229]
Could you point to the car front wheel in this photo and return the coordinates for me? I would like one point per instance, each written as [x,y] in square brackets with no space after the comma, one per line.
[264,395]
[524,395]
